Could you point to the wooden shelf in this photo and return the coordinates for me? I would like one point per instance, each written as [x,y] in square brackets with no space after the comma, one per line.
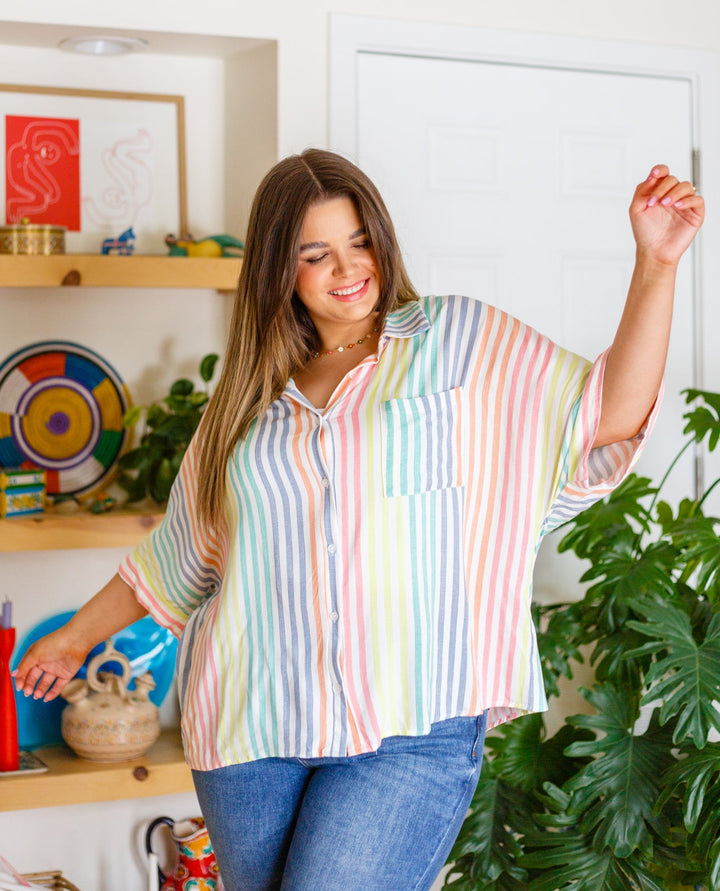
[136,271]
[71,780]
[53,530]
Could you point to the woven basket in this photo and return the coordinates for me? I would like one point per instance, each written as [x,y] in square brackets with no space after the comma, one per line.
[53,880]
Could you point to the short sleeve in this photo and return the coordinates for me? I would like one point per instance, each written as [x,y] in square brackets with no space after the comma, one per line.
[178,565]
[590,474]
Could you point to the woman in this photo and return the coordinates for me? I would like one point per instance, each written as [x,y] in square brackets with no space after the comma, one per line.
[348,548]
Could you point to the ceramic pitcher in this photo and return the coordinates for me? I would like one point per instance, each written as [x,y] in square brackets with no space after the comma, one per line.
[104,721]
[196,868]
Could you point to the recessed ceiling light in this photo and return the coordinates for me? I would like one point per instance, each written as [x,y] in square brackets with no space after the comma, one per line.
[103,45]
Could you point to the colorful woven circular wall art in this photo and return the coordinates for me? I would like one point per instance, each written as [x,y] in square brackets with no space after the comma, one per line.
[61,409]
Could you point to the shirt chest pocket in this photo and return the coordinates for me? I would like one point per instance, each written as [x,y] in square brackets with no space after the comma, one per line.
[422,443]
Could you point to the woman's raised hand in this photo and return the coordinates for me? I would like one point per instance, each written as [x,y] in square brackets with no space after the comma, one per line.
[665,214]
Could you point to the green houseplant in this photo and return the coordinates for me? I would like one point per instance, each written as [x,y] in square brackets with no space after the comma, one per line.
[149,469]
[628,796]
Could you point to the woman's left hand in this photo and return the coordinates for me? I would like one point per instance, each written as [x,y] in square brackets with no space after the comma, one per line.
[665,214]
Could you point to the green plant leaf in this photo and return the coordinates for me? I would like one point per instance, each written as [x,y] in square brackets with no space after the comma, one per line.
[154,415]
[604,525]
[198,399]
[625,577]
[569,863]
[616,792]
[161,480]
[704,420]
[698,774]
[135,459]
[134,485]
[175,430]
[686,676]
[559,630]
[613,664]
[560,856]
[132,415]
[526,760]
[207,366]
[485,852]
[182,387]
[699,541]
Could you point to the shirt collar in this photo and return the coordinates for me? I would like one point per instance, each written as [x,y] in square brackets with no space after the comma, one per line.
[407,321]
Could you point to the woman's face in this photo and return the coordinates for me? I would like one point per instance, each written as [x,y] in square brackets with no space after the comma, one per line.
[337,277]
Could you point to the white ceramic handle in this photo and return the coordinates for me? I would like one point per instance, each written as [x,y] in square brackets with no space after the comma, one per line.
[109,654]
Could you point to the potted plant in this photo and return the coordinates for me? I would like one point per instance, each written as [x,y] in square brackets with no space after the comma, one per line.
[628,796]
[169,424]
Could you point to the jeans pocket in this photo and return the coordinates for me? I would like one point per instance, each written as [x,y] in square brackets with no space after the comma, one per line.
[422,443]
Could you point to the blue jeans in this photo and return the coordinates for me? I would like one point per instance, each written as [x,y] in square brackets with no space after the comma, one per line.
[384,821]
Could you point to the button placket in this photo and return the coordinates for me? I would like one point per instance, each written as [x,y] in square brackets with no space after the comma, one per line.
[325,463]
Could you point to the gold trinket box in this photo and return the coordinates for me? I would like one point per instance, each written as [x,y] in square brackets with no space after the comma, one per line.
[32,238]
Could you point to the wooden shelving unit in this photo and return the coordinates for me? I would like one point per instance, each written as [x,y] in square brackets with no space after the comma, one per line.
[162,770]
[135,271]
[71,780]
[54,530]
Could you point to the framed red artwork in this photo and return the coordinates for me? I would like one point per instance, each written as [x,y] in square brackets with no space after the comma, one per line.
[96,162]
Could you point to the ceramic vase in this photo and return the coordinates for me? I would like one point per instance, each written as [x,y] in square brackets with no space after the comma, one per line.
[104,721]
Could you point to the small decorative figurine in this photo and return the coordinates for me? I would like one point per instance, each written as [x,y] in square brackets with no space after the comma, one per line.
[124,244]
[102,503]
[22,491]
[212,246]
[103,720]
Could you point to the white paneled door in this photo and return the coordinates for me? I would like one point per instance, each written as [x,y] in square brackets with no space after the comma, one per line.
[510,183]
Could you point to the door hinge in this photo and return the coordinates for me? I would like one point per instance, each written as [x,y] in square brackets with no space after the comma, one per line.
[696,168]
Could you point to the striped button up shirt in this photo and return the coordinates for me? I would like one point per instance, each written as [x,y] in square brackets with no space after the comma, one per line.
[373,570]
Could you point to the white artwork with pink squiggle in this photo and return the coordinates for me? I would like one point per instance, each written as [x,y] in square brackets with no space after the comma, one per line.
[128,169]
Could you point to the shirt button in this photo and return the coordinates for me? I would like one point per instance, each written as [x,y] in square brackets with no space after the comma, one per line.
[325,483]
[334,617]
[337,687]
[331,549]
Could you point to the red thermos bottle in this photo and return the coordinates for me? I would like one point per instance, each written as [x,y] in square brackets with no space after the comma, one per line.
[8,712]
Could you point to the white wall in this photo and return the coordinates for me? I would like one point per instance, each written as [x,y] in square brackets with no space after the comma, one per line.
[152,337]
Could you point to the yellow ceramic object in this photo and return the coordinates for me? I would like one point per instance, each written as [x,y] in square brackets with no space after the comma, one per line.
[206,248]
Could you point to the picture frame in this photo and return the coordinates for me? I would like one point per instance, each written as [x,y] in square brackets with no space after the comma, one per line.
[98,162]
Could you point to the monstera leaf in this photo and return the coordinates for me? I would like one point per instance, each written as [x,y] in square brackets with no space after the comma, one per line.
[524,758]
[611,523]
[686,677]
[561,856]
[615,793]
[559,631]
[612,664]
[485,853]
[704,420]
[699,776]
[623,577]
[700,540]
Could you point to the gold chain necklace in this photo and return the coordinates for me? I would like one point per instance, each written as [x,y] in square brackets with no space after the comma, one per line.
[341,349]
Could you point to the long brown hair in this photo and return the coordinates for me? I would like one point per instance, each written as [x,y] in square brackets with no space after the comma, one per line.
[271,334]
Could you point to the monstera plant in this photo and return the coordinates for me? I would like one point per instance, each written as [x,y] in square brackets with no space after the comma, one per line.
[168,426]
[626,796]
